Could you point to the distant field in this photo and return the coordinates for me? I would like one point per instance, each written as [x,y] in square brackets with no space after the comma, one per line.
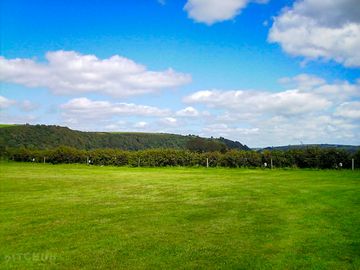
[78,216]
[6,125]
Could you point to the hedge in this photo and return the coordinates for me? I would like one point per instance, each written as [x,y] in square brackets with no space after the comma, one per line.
[299,158]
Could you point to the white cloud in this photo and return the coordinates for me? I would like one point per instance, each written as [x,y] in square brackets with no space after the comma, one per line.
[302,81]
[25,105]
[5,102]
[69,72]
[290,102]
[318,128]
[86,114]
[226,130]
[349,110]
[168,121]
[10,118]
[86,108]
[116,126]
[213,11]
[141,125]
[279,130]
[28,106]
[320,29]
[188,112]
[315,111]
[339,92]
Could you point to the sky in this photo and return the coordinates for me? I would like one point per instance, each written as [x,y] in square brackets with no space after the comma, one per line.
[262,72]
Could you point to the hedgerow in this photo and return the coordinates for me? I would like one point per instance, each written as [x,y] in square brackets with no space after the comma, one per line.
[311,157]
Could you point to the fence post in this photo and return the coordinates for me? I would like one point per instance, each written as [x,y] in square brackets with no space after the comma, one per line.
[139,162]
[352,164]
[207,162]
[271,163]
[87,160]
[44,160]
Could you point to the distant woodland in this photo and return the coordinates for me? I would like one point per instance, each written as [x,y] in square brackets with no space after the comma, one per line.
[49,137]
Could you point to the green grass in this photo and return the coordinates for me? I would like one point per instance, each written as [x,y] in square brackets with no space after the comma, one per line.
[6,125]
[76,216]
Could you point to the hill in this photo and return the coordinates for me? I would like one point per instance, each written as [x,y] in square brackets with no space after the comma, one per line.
[349,148]
[46,137]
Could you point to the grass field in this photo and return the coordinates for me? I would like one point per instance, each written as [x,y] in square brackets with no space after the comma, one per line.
[77,216]
[6,125]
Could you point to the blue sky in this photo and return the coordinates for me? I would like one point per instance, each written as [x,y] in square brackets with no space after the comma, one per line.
[261,72]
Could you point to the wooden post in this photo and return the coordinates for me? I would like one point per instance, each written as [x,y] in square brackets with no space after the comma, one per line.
[271,163]
[139,162]
[44,160]
[352,164]
[87,160]
[207,162]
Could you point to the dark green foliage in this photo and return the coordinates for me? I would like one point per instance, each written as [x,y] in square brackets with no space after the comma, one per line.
[202,145]
[233,144]
[64,154]
[299,158]
[348,148]
[357,158]
[323,158]
[334,158]
[49,137]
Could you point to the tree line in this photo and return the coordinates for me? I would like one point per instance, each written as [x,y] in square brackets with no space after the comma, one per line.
[49,137]
[311,157]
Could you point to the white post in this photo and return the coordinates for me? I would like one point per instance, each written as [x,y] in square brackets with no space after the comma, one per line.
[44,160]
[352,164]
[271,163]
[207,162]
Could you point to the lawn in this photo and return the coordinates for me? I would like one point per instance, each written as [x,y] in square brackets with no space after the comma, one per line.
[78,216]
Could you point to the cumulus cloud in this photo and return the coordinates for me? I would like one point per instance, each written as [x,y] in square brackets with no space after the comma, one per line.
[314,111]
[289,102]
[86,108]
[141,125]
[7,117]
[339,92]
[320,128]
[168,121]
[213,11]
[279,130]
[188,112]
[69,72]
[28,106]
[222,129]
[83,111]
[302,81]
[349,110]
[87,114]
[318,29]
[5,102]
[336,91]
